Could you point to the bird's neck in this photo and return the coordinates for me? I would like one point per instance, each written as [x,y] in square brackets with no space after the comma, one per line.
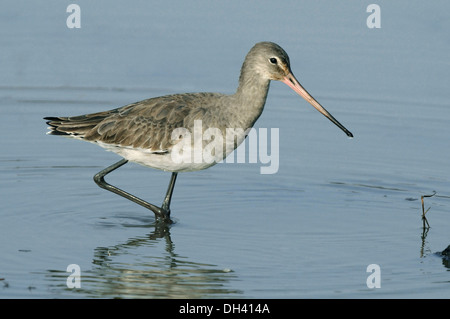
[251,96]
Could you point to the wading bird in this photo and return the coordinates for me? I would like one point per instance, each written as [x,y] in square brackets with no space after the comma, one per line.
[142,132]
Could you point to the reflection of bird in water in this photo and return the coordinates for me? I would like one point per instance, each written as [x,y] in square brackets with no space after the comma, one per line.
[150,272]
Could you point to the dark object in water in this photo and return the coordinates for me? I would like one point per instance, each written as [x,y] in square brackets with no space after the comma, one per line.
[445,255]
[446,252]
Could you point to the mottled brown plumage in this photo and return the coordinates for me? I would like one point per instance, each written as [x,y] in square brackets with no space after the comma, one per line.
[145,124]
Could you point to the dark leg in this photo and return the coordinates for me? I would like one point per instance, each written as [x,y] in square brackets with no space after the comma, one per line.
[168,198]
[161,213]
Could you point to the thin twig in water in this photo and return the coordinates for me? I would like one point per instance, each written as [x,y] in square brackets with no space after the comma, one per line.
[424,219]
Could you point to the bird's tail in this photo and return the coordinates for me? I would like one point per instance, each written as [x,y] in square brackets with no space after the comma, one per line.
[75,126]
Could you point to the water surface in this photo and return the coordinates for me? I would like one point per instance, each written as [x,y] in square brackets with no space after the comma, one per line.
[335,206]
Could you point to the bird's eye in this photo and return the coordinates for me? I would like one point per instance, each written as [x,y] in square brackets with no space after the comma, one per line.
[273,60]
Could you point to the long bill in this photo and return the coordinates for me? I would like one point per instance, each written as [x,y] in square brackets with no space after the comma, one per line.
[292,82]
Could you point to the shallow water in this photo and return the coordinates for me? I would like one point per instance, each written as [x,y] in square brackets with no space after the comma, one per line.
[335,206]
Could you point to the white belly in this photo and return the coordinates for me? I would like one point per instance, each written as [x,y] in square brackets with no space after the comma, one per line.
[163,161]
[191,152]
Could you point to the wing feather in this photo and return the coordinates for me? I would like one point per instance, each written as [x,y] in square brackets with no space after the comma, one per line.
[146,124]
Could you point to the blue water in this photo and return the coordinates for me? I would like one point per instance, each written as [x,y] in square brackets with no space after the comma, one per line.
[335,206]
